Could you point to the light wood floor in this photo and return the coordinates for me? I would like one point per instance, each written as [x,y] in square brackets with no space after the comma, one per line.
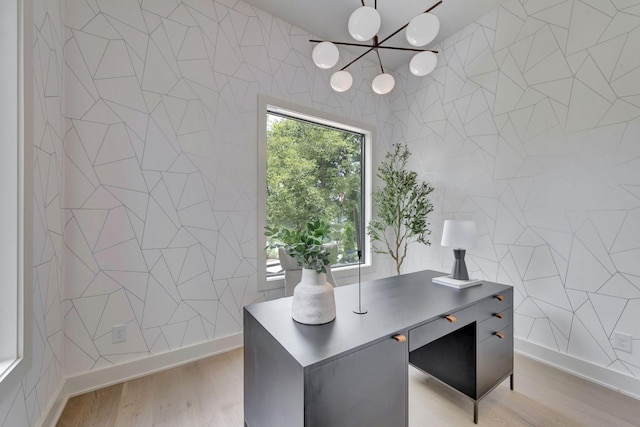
[209,393]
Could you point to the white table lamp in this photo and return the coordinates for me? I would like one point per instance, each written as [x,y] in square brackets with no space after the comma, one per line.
[459,235]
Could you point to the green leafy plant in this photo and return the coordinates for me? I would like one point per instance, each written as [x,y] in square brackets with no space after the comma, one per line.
[402,207]
[306,246]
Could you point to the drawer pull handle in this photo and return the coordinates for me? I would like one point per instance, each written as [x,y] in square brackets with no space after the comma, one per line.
[451,318]
[499,315]
[500,297]
[400,338]
[500,335]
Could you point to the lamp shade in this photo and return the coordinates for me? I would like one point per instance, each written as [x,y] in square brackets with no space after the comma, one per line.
[423,63]
[459,234]
[341,81]
[325,55]
[422,29]
[364,23]
[383,83]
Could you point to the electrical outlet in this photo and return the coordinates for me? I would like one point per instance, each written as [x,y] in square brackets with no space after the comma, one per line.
[118,333]
[622,341]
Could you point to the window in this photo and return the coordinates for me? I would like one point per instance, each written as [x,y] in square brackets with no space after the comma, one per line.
[312,166]
[15,208]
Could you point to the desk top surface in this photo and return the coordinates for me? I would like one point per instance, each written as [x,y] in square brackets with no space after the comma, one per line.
[395,304]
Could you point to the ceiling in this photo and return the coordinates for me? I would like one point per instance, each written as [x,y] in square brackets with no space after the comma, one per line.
[327,20]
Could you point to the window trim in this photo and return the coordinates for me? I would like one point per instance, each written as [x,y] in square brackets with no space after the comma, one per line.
[267,103]
[23,24]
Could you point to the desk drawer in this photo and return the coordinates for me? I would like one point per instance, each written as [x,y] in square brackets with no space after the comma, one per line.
[497,322]
[478,312]
[497,304]
[495,360]
[438,328]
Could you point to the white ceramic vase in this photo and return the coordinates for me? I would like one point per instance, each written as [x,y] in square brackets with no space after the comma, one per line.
[313,300]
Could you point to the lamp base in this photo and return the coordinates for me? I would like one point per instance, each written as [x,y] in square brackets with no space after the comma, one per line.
[455,283]
[459,270]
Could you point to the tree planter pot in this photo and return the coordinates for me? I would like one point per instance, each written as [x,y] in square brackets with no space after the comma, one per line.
[313,299]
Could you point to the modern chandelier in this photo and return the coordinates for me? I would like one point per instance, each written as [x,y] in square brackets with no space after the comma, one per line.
[363,26]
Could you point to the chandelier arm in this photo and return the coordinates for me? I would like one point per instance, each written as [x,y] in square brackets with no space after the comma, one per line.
[380,61]
[407,24]
[410,49]
[347,66]
[407,49]
[343,43]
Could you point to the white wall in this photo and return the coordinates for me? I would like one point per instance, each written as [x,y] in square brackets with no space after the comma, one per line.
[33,395]
[160,197]
[530,125]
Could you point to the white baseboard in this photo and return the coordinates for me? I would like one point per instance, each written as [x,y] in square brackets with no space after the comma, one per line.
[617,381]
[84,383]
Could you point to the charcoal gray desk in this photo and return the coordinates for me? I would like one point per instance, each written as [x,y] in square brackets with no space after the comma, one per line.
[353,371]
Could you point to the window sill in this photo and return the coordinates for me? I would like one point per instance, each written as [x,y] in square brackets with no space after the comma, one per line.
[6,367]
[342,275]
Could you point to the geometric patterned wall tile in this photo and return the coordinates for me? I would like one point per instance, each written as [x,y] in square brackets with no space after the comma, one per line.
[627,61]
[87,309]
[587,25]
[559,318]
[622,23]
[620,112]
[542,334]
[226,323]
[159,306]
[624,261]
[608,308]
[590,237]
[550,290]
[123,256]
[583,345]
[557,12]
[628,233]
[508,28]
[127,11]
[76,331]
[586,272]
[173,334]
[619,286]
[607,54]
[606,7]
[587,107]
[590,74]
[541,265]
[588,316]
[101,285]
[628,321]
[160,272]
[625,84]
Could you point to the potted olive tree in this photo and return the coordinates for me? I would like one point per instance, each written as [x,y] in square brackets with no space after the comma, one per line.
[402,205]
[313,299]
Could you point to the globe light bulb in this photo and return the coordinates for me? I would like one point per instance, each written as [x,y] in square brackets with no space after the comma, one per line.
[422,29]
[341,81]
[364,23]
[383,83]
[325,55]
[423,63]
